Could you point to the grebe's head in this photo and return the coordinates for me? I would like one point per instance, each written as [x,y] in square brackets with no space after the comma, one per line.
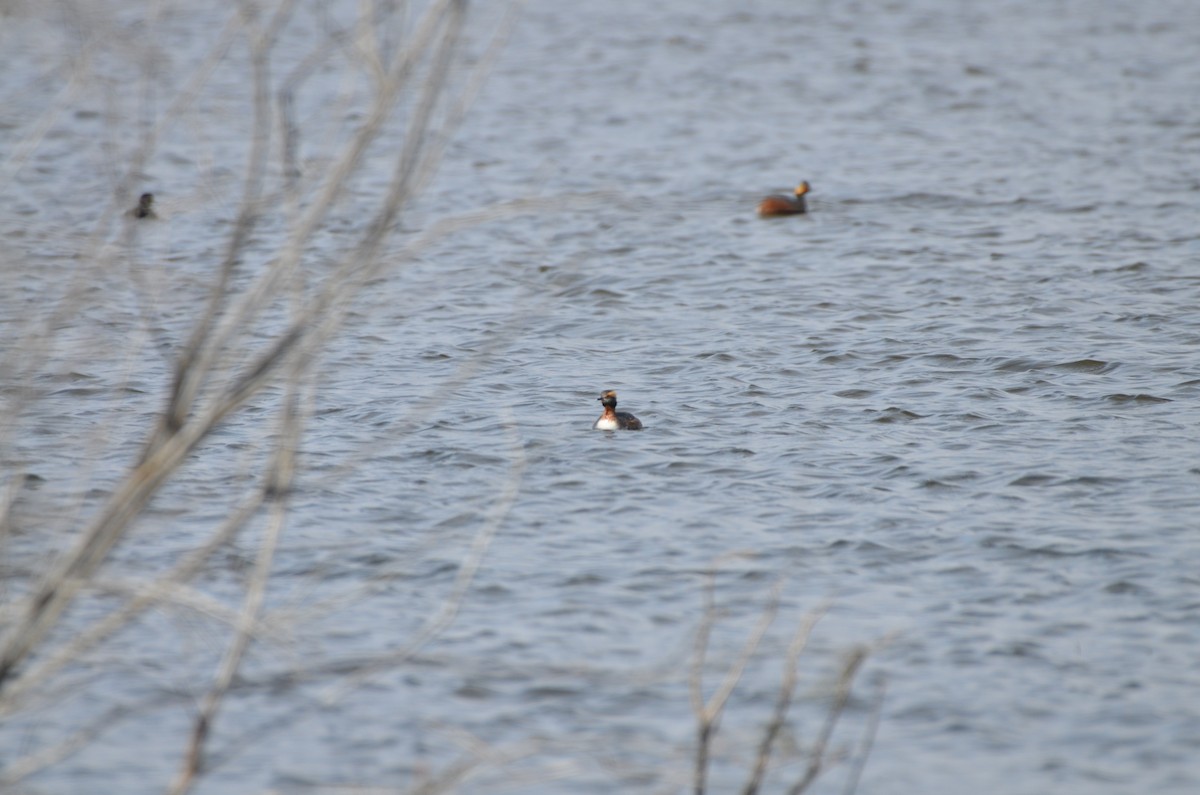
[608,398]
[802,189]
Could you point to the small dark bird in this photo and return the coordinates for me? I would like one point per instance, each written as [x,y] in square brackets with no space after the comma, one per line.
[612,419]
[145,207]
[785,205]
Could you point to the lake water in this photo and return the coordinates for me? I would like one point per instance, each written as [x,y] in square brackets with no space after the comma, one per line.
[956,403]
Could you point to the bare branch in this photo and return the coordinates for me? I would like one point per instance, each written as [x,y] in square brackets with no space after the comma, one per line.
[868,738]
[841,697]
[708,713]
[784,701]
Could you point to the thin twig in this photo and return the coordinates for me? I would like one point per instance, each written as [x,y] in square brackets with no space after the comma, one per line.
[146,597]
[783,702]
[708,713]
[841,697]
[868,738]
[501,507]
[20,768]
[193,366]
[277,487]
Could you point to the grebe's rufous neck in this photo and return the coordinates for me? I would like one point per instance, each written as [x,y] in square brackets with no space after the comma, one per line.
[785,205]
[611,419]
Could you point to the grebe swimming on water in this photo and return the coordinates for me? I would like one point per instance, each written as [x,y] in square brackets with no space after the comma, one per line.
[612,419]
[145,207]
[785,205]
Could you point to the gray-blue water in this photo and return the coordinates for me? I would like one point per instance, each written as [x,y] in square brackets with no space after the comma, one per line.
[956,403]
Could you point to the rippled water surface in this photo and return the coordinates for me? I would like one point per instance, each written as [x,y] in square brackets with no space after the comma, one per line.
[957,403]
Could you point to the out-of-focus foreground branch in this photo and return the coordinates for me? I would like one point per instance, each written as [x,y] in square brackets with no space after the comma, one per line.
[239,345]
[817,756]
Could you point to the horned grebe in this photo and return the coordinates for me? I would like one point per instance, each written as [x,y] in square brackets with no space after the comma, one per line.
[612,419]
[145,207]
[785,205]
